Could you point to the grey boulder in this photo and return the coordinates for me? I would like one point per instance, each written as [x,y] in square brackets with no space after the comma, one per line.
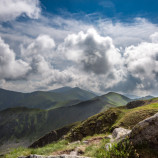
[119,133]
[146,132]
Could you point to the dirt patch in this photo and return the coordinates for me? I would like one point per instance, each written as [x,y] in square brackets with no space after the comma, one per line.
[63,152]
[95,140]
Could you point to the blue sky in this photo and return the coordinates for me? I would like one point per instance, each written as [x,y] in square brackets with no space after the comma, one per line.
[122,10]
[96,45]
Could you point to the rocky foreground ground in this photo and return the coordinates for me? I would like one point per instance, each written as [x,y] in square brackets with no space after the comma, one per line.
[58,156]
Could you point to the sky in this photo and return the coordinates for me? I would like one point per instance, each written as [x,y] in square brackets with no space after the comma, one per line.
[97,45]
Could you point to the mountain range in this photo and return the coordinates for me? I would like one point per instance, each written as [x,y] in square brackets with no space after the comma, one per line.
[30,120]
[94,134]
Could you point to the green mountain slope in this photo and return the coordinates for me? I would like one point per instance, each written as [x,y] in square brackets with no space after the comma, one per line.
[117,99]
[106,121]
[114,117]
[20,122]
[43,100]
[23,123]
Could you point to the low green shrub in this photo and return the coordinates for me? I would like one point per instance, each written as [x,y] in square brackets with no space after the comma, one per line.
[124,149]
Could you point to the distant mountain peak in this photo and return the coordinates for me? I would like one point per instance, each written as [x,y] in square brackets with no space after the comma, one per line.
[76,88]
[112,93]
[146,97]
[61,89]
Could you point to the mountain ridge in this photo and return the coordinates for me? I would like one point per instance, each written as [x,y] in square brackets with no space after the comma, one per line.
[42,99]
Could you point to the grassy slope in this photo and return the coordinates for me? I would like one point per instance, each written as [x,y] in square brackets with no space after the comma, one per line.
[22,123]
[62,145]
[131,117]
[112,118]
[116,99]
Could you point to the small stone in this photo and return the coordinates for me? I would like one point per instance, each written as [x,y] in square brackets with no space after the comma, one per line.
[108,146]
[74,153]
[85,142]
[76,142]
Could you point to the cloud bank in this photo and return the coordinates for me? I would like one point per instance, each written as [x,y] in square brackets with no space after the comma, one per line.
[11,9]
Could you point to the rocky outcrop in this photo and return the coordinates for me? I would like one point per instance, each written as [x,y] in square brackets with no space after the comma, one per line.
[135,104]
[57,156]
[97,124]
[146,132]
[120,132]
[117,135]
[51,137]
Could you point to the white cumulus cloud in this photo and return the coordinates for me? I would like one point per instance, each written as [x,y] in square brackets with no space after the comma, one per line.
[94,53]
[43,44]
[10,67]
[142,63]
[11,9]
[154,37]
